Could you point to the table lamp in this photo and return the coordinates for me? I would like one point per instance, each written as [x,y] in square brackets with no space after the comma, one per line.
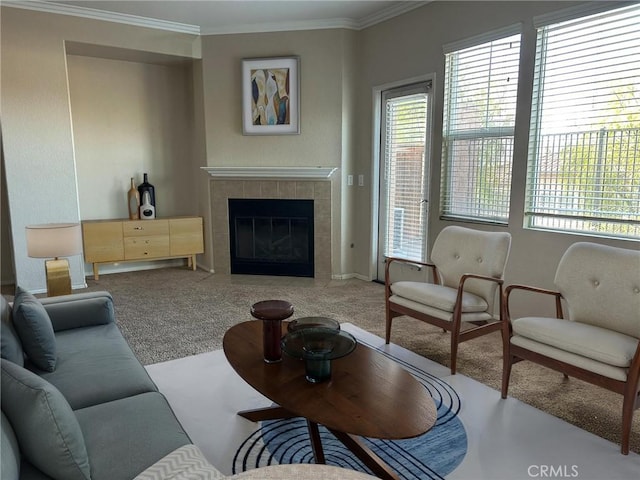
[55,240]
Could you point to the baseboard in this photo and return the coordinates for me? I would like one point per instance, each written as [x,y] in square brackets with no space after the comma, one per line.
[206,269]
[347,276]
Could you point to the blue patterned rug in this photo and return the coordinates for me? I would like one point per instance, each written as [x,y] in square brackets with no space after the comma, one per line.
[430,456]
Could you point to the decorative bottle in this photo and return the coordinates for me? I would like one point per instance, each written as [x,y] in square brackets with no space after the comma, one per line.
[134,202]
[147,211]
[145,186]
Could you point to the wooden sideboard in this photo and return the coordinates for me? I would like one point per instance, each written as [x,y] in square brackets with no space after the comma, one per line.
[109,241]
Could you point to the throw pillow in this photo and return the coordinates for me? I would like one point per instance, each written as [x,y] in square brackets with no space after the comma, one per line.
[47,430]
[34,328]
[11,347]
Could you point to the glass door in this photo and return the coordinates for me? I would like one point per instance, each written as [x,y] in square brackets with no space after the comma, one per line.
[405,132]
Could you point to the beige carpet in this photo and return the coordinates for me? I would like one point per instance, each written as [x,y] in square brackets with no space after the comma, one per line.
[171,313]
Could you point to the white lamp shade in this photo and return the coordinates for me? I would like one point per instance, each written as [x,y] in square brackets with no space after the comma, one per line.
[54,240]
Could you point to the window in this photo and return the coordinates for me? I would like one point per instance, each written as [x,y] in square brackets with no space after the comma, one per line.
[405,134]
[481,85]
[584,147]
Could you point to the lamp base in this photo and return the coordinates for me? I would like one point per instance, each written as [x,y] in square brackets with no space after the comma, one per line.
[58,277]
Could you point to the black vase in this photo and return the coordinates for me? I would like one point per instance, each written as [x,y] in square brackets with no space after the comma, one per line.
[145,186]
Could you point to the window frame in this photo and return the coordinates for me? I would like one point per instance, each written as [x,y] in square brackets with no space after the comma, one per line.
[534,215]
[450,134]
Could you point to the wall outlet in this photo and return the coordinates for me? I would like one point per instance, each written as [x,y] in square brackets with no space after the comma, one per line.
[361,180]
[350,180]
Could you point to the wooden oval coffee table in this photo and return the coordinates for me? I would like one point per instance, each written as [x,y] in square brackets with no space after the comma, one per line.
[368,395]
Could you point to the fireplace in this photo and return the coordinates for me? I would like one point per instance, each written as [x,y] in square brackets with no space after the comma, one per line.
[271,236]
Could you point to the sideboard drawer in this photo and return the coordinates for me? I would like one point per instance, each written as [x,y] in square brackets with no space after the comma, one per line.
[150,246]
[145,228]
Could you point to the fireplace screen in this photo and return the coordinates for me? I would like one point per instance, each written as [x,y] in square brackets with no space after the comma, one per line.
[271,237]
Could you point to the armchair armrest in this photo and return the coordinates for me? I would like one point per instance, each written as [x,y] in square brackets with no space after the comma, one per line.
[79,310]
[390,260]
[544,291]
[467,276]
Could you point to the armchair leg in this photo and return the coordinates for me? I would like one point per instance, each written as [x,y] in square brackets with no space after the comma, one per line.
[454,353]
[628,406]
[387,335]
[507,362]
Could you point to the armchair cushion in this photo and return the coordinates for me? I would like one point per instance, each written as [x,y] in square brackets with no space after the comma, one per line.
[459,250]
[437,313]
[34,328]
[579,361]
[606,346]
[438,296]
[601,285]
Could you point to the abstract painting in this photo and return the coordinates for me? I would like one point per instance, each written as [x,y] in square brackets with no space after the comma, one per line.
[270,96]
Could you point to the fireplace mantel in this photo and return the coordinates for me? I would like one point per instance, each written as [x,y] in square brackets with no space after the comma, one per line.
[311,173]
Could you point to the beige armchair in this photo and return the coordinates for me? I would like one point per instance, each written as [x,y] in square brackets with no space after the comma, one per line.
[467,269]
[598,342]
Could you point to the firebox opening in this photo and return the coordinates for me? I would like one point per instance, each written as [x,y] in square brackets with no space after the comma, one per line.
[271,237]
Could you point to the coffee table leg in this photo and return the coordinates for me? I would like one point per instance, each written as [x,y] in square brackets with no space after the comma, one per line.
[364,453]
[267,413]
[316,444]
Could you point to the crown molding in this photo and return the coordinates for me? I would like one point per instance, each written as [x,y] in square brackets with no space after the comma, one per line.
[94,14]
[389,13]
[345,23]
[282,27]
[318,173]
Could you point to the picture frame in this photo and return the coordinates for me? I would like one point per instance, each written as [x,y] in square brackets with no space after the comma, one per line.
[271,96]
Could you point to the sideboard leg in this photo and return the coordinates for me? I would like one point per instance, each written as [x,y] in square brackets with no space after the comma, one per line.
[95,272]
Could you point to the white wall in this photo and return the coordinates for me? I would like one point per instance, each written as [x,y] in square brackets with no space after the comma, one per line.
[36,118]
[322,137]
[130,118]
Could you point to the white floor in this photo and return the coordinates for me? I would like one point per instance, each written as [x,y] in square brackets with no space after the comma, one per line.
[507,439]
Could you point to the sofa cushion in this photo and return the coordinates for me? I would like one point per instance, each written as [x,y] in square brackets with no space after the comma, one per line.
[46,428]
[9,451]
[11,346]
[96,365]
[29,472]
[34,328]
[126,436]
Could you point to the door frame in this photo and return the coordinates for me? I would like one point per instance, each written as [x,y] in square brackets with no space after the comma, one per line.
[375,159]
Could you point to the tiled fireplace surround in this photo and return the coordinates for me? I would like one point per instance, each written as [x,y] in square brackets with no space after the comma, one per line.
[225,186]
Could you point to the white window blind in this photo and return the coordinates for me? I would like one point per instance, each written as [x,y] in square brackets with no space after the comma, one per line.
[584,147]
[481,85]
[404,147]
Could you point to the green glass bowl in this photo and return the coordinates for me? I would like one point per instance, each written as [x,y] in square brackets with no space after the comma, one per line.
[317,346]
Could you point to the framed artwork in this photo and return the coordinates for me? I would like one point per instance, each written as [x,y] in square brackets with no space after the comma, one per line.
[271,96]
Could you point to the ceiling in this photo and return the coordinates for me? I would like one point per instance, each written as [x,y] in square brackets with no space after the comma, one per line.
[208,17]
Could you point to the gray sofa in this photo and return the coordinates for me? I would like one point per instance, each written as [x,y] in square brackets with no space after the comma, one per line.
[80,405]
